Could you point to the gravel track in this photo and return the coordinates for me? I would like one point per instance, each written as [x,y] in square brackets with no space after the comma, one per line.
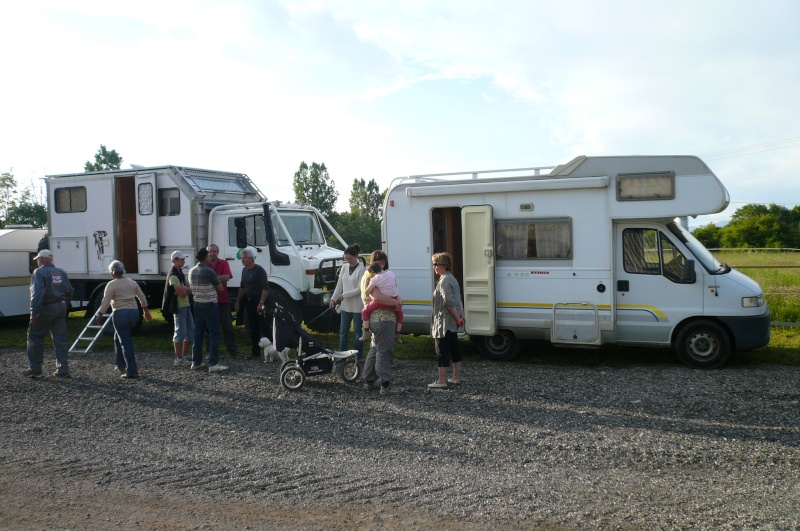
[516,446]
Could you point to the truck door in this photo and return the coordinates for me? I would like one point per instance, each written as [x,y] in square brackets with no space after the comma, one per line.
[146,224]
[656,285]
[477,226]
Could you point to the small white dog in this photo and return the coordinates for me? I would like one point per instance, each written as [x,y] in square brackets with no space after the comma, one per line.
[271,353]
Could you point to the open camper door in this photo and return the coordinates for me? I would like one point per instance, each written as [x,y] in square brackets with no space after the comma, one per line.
[146,224]
[477,231]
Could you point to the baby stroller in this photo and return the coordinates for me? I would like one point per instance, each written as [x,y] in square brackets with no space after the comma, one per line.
[313,357]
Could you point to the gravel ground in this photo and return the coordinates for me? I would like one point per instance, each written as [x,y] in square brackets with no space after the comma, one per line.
[515,446]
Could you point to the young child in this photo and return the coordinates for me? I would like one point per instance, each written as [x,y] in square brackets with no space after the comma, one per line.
[384,282]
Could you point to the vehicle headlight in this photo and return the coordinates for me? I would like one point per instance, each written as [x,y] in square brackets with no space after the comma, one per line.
[753,302]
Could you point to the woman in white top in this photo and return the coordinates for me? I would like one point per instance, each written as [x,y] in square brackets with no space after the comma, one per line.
[348,295]
[121,294]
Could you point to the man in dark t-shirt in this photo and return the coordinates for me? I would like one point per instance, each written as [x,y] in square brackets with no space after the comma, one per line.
[252,296]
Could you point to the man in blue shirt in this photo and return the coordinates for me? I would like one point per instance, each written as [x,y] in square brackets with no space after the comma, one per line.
[51,293]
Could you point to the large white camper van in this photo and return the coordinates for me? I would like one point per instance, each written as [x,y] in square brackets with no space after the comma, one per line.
[588,253]
[140,216]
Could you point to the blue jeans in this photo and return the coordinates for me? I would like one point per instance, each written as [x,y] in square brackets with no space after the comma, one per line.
[124,321]
[206,318]
[344,328]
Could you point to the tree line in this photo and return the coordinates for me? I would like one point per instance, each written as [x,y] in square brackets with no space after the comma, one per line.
[755,226]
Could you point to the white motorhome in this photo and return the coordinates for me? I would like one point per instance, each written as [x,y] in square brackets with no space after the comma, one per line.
[591,252]
[18,247]
[141,215]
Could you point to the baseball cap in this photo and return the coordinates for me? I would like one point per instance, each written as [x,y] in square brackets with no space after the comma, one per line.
[44,253]
[179,255]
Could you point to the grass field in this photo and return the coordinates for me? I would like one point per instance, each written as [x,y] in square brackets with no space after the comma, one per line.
[778,274]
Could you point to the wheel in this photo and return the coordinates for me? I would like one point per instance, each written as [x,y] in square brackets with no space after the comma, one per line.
[703,345]
[293,378]
[502,346]
[350,370]
[277,295]
[286,364]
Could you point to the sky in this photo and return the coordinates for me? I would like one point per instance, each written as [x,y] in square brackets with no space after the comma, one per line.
[379,90]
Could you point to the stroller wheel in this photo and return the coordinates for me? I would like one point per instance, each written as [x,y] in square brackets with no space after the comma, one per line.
[293,378]
[286,364]
[350,370]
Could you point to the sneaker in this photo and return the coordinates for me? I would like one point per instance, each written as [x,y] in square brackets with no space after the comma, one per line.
[371,385]
[125,376]
[118,369]
[397,338]
[60,374]
[28,373]
[386,389]
[218,368]
[454,382]
[367,335]
[437,385]
[196,367]
[182,361]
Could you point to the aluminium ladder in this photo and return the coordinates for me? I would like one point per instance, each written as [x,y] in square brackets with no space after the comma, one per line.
[100,328]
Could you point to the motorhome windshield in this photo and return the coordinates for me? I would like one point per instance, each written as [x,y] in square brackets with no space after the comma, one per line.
[699,251]
[303,228]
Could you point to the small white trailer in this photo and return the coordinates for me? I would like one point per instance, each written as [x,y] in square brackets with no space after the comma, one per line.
[18,247]
[582,254]
[141,215]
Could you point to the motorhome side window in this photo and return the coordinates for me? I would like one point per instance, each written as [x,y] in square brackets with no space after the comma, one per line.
[650,252]
[646,186]
[256,234]
[145,195]
[72,199]
[543,239]
[169,202]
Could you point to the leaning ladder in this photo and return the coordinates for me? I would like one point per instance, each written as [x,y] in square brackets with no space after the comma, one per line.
[85,335]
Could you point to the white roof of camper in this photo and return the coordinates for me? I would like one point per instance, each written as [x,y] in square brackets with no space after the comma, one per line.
[20,239]
[202,182]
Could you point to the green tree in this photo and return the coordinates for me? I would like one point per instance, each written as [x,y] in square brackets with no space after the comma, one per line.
[104,160]
[354,228]
[28,211]
[313,186]
[366,199]
[8,190]
[760,226]
[710,235]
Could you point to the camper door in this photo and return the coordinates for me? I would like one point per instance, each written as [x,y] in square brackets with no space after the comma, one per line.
[477,226]
[656,284]
[146,224]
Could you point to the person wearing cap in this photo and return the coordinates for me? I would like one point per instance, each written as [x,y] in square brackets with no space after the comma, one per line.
[224,274]
[51,294]
[205,287]
[121,294]
[252,297]
[176,301]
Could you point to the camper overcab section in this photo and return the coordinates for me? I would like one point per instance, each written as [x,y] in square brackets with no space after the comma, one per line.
[142,215]
[591,252]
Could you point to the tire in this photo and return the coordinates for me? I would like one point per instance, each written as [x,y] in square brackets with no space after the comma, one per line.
[703,345]
[286,364]
[502,346]
[293,378]
[277,295]
[350,369]
[324,324]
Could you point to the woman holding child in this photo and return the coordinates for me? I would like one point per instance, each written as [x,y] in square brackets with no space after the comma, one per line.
[382,323]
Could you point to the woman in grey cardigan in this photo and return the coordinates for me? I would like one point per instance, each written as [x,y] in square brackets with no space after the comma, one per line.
[447,317]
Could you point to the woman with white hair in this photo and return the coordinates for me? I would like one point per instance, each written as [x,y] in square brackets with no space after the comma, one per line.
[121,294]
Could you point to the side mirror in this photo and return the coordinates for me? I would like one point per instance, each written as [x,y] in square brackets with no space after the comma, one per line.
[689,275]
[241,232]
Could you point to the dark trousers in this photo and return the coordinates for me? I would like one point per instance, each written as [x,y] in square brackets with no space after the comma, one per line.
[254,324]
